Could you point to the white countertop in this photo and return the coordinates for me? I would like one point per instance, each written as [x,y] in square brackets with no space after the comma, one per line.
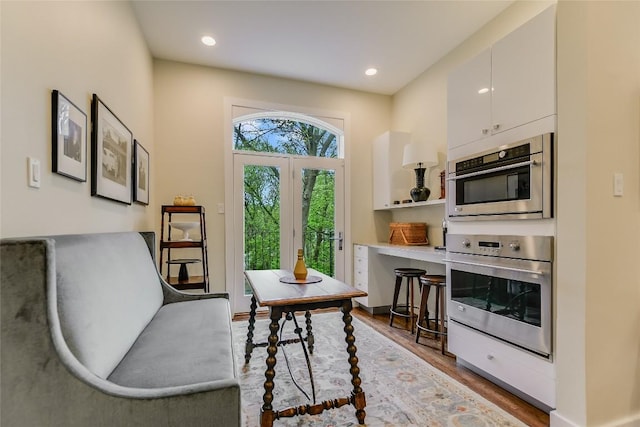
[420,253]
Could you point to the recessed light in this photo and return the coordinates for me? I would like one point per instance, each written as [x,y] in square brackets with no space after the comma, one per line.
[371,71]
[208,40]
[483,90]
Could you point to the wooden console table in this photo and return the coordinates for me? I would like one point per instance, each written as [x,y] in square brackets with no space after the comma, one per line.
[287,298]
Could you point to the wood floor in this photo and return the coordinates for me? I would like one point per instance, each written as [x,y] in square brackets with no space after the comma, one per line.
[429,350]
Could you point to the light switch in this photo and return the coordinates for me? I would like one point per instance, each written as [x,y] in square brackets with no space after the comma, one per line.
[618,184]
[33,169]
[220,208]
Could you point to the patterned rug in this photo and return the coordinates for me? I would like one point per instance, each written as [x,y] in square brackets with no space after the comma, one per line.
[401,389]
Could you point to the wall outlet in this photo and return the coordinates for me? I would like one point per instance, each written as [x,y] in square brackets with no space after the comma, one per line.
[618,184]
[33,170]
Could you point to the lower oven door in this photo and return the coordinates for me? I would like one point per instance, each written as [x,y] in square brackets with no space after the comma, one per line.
[506,298]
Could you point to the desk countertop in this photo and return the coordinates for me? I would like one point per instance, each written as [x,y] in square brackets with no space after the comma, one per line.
[420,253]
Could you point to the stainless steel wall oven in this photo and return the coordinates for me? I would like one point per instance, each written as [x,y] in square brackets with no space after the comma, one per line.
[502,286]
[512,181]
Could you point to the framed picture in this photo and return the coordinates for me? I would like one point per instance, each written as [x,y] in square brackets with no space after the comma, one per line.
[69,138]
[111,146]
[140,174]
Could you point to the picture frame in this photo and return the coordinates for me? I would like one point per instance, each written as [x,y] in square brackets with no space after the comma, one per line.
[68,138]
[140,174]
[111,154]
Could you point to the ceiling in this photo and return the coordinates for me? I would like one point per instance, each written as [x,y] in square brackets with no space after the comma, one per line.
[320,41]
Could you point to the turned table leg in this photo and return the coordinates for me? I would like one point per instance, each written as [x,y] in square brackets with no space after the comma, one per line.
[248,348]
[267,414]
[357,395]
[310,338]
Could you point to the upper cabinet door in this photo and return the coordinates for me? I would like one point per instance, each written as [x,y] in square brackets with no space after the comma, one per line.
[523,73]
[390,181]
[508,85]
[469,100]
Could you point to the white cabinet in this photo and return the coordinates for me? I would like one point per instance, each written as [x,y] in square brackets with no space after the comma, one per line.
[513,367]
[390,181]
[469,100]
[508,85]
[374,275]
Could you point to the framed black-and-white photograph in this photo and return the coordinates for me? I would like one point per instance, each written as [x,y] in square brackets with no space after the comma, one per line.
[111,146]
[140,174]
[69,138]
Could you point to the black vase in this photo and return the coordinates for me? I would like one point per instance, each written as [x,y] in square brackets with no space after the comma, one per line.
[420,193]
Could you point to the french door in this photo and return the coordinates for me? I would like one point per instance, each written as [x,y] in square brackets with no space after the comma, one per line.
[281,204]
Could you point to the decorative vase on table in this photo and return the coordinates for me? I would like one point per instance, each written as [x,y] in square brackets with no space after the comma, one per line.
[300,269]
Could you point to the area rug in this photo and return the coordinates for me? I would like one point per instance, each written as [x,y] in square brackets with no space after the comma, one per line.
[401,389]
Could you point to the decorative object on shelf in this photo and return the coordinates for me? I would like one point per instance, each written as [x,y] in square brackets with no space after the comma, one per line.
[300,270]
[69,138]
[140,174]
[419,157]
[408,233]
[185,227]
[184,200]
[442,193]
[183,274]
[111,153]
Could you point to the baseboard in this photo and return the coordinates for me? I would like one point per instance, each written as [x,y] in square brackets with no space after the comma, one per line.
[375,310]
[632,421]
[557,420]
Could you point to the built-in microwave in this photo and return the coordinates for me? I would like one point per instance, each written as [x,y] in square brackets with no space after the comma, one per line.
[513,181]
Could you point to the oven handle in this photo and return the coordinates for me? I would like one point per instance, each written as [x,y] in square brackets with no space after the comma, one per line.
[478,264]
[498,169]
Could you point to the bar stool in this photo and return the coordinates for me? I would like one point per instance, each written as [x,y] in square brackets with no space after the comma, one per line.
[405,310]
[427,282]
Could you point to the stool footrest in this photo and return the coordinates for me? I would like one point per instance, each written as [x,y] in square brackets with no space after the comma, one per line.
[403,311]
[427,329]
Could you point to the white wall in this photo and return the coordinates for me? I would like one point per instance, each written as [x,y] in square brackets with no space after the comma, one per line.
[598,245]
[78,48]
[190,130]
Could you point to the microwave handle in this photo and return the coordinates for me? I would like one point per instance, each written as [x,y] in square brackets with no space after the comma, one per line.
[498,169]
[478,264]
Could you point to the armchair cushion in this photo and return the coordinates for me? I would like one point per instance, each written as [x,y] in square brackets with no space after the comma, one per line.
[185,343]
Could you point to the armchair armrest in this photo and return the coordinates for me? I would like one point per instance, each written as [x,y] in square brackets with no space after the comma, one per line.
[172,295]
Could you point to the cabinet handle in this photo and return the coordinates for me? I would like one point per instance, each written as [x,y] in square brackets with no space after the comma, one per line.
[490,356]
[496,126]
[485,131]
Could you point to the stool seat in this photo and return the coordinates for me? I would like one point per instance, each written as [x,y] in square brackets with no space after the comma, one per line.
[409,272]
[406,310]
[434,279]
[439,282]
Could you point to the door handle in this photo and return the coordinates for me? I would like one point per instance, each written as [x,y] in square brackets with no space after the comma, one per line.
[339,239]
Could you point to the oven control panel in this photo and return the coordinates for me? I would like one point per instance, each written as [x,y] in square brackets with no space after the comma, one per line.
[520,247]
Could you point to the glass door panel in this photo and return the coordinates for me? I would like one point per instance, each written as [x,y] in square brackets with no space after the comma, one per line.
[318,213]
[263,199]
